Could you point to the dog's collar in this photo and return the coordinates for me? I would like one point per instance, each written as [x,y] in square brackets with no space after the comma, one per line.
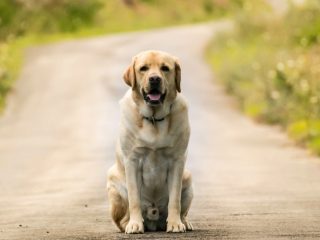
[153,120]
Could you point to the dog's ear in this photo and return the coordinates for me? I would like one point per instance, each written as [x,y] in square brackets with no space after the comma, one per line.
[177,75]
[129,75]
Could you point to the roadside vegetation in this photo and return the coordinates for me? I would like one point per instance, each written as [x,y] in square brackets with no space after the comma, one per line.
[272,65]
[27,22]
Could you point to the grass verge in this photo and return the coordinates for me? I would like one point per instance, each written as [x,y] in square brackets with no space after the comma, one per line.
[272,66]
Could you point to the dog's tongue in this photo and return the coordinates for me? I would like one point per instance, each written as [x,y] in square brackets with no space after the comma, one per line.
[154,96]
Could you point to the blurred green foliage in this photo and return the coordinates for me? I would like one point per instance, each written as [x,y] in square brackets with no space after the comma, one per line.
[20,17]
[272,65]
[22,22]
[27,22]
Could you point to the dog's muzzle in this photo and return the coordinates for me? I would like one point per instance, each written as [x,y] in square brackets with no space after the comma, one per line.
[154,95]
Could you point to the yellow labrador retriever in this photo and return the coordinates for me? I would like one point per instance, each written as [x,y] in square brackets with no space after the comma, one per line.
[148,186]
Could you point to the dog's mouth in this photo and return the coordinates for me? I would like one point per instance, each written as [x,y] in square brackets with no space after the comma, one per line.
[154,97]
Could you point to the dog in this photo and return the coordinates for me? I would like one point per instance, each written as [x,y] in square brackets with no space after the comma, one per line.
[148,187]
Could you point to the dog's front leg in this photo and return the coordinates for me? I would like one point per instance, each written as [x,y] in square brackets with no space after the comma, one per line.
[174,223]
[135,224]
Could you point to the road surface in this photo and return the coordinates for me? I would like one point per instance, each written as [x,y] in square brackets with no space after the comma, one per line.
[57,140]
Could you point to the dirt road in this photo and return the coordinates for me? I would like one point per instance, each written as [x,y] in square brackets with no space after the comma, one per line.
[57,140]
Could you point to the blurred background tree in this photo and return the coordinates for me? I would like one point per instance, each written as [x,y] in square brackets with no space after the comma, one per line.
[27,22]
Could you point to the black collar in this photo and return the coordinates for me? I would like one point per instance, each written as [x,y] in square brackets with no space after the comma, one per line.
[153,120]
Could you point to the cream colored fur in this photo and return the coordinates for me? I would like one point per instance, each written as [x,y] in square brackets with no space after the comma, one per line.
[148,186]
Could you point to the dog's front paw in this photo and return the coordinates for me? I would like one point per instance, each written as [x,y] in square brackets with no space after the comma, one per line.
[134,227]
[176,226]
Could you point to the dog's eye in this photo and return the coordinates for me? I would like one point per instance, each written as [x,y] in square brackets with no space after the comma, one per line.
[165,69]
[143,68]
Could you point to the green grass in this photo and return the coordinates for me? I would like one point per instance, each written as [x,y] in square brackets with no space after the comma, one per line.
[10,64]
[32,22]
[272,66]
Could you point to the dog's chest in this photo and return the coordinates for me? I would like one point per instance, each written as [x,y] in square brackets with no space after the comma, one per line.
[154,170]
[155,136]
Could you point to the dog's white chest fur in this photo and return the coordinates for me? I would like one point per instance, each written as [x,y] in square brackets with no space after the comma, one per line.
[154,164]
[153,169]
[154,136]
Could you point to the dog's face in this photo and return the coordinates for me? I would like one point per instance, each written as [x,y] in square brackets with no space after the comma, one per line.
[154,77]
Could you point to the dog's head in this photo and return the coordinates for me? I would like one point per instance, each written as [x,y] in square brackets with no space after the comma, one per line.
[154,77]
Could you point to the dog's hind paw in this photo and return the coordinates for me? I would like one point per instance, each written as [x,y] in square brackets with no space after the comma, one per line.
[188,225]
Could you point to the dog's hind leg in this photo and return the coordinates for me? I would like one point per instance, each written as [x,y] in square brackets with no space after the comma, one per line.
[118,201]
[186,199]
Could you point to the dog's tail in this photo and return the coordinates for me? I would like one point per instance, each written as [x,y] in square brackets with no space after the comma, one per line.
[152,213]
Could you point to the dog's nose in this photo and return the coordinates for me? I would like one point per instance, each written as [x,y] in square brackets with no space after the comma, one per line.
[154,80]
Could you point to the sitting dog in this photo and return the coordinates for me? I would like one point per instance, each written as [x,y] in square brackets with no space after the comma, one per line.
[148,187]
